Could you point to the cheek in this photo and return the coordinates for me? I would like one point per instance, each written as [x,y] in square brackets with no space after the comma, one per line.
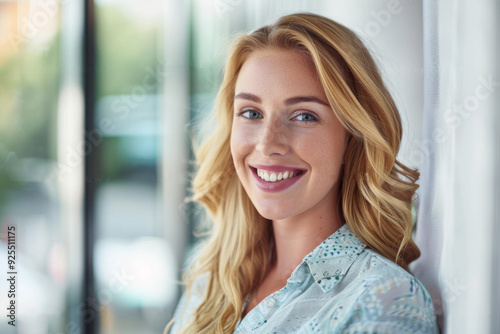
[239,146]
[325,153]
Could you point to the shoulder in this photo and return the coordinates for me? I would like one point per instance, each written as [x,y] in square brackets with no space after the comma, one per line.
[389,300]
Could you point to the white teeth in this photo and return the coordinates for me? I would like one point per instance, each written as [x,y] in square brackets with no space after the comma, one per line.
[273,177]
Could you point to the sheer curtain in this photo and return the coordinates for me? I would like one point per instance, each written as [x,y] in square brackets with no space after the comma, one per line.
[460,149]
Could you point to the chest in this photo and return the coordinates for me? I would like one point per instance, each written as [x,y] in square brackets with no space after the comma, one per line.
[268,286]
[288,309]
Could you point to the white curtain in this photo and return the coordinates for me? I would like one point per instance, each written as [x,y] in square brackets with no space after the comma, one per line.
[458,213]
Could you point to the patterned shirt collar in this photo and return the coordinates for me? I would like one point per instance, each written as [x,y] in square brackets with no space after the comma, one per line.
[329,261]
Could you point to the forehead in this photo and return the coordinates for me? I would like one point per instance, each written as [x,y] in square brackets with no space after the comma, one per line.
[277,70]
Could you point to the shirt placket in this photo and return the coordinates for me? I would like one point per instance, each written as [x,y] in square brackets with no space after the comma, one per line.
[259,316]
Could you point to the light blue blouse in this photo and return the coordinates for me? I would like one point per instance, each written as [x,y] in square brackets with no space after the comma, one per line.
[340,287]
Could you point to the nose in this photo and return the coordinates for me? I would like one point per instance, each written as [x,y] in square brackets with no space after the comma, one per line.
[272,140]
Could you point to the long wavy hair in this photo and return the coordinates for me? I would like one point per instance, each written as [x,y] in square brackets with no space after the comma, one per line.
[376,188]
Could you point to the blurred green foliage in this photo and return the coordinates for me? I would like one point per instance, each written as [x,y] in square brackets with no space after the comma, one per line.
[30,83]
[127,52]
[29,80]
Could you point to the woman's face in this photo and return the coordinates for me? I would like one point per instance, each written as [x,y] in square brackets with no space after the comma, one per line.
[287,144]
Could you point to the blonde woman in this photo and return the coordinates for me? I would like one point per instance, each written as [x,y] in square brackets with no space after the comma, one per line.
[311,210]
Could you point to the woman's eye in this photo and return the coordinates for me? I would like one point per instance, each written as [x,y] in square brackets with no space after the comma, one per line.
[250,114]
[306,118]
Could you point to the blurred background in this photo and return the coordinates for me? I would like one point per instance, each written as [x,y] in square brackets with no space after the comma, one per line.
[99,101]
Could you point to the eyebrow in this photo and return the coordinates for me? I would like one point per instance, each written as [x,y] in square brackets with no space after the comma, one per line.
[290,101]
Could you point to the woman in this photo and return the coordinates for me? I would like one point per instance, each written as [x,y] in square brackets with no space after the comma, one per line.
[311,210]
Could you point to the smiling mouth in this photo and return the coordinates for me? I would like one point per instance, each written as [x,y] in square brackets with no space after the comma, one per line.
[273,176]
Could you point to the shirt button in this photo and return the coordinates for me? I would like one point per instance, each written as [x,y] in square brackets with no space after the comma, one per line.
[270,302]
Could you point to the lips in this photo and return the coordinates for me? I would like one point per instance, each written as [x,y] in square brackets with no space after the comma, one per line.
[276,178]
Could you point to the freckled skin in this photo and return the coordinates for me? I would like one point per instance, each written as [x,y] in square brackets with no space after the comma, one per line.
[280,138]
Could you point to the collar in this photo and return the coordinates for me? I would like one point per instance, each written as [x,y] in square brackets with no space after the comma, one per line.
[330,260]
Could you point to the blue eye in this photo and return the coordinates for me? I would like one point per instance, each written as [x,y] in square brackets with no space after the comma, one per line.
[250,113]
[306,117]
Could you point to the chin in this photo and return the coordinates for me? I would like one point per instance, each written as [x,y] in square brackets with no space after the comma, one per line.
[273,213]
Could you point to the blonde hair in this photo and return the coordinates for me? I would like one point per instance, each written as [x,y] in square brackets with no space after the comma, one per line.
[376,189]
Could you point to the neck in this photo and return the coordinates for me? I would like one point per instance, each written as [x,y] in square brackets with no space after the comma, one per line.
[295,237]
